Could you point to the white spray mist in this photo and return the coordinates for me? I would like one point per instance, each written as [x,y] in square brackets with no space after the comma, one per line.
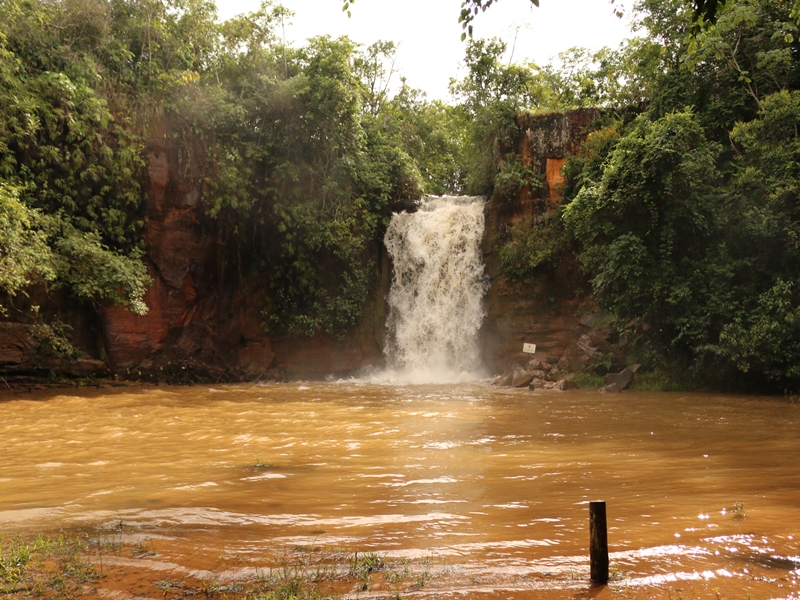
[436,299]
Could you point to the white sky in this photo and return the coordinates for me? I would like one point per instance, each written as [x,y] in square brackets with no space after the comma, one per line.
[429,35]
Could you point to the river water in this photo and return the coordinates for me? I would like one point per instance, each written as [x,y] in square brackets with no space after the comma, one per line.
[703,491]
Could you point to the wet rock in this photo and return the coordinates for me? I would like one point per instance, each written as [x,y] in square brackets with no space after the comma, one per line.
[566,384]
[616,382]
[520,378]
[503,380]
[408,205]
[560,385]
[534,364]
[538,384]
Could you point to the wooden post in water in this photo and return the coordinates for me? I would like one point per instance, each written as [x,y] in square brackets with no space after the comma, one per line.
[598,545]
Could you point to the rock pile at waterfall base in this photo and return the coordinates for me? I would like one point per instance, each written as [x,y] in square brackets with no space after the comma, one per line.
[616,382]
[536,375]
[596,348]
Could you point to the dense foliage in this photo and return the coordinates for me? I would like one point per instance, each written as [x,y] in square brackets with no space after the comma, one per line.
[302,150]
[70,170]
[683,206]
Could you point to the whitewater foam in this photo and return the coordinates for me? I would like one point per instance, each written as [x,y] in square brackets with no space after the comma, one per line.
[436,298]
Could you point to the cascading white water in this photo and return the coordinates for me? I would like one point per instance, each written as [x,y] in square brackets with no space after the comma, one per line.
[436,299]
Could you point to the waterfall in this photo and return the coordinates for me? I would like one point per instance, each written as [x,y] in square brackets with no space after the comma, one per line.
[436,298]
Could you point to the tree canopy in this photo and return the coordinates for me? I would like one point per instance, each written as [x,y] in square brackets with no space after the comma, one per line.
[681,206]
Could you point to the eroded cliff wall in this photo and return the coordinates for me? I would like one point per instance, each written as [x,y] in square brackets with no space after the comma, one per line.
[199,320]
[544,311]
[203,326]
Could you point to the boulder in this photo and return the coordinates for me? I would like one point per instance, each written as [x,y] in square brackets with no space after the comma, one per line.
[520,378]
[538,384]
[578,355]
[502,380]
[587,345]
[561,385]
[599,336]
[616,382]
[566,384]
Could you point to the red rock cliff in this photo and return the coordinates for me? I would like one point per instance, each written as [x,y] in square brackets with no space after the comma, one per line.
[540,312]
[196,324]
[192,320]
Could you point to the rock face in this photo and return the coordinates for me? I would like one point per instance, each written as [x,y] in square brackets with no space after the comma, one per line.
[194,318]
[16,345]
[544,143]
[20,357]
[182,320]
[541,312]
[198,323]
[198,326]
[616,382]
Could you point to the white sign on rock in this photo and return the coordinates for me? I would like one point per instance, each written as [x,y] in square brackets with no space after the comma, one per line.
[529,348]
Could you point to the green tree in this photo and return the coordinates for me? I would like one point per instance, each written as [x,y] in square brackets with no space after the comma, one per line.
[753,47]
[647,226]
[490,97]
[71,163]
[764,337]
[303,156]
[25,256]
[615,79]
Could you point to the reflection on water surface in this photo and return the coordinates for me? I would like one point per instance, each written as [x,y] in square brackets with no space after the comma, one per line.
[703,491]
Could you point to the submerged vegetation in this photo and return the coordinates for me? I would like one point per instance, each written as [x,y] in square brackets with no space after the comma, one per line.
[681,208]
[52,567]
[71,565]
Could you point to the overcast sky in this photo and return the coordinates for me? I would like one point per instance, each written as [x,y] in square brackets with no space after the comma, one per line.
[429,35]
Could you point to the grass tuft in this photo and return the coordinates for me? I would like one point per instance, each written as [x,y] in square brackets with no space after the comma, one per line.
[589,380]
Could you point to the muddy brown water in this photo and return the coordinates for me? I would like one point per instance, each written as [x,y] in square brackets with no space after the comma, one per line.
[703,491]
